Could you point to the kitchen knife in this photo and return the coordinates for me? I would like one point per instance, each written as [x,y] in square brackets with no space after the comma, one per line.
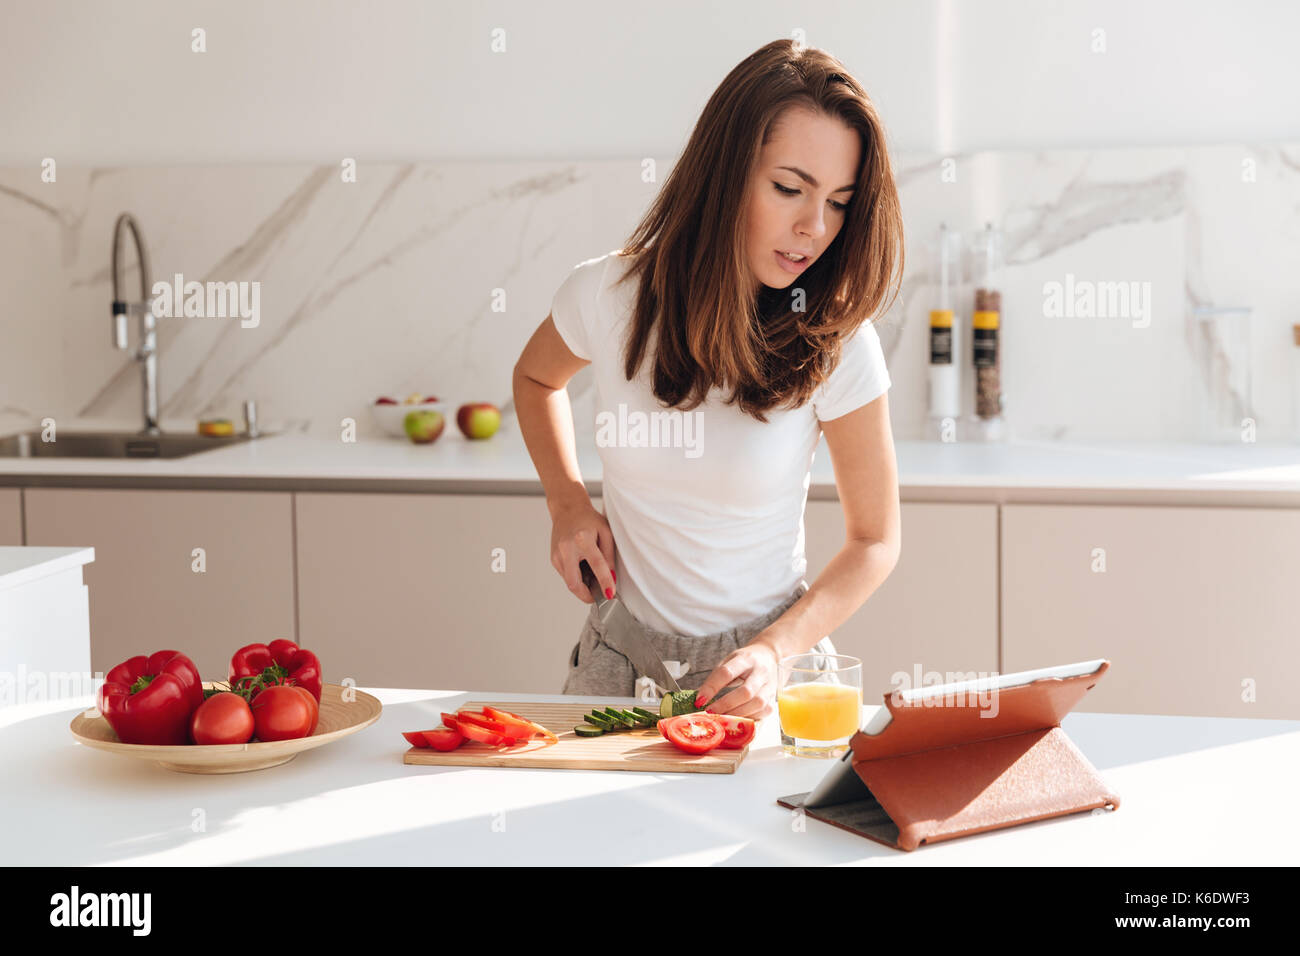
[624,634]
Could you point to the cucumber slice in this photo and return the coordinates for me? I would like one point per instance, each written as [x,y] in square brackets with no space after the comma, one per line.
[618,716]
[643,714]
[600,720]
[588,730]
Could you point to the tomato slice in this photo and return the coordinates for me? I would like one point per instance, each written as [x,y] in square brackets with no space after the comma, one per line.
[444,738]
[693,733]
[739,731]
[450,721]
[416,737]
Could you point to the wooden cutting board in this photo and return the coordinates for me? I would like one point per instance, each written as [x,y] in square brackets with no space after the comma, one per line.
[626,750]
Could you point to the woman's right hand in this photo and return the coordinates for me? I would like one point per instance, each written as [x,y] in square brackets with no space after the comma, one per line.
[580,533]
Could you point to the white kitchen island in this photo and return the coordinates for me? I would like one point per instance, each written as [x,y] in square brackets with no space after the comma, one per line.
[1194,791]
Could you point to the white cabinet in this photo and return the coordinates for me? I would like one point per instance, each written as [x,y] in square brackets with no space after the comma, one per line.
[937,612]
[1194,607]
[151,588]
[442,591]
[11,516]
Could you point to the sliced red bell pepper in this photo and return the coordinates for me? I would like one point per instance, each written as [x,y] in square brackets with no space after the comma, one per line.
[149,700]
[481,730]
[470,717]
[444,739]
[529,728]
[481,734]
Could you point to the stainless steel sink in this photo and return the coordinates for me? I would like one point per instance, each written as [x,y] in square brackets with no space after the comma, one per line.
[114,444]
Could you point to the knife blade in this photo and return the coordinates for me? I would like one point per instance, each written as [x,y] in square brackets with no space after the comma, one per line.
[624,634]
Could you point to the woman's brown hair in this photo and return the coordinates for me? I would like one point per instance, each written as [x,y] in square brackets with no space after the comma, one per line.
[713,329]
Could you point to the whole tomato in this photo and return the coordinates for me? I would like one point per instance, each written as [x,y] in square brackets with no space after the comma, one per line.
[223,718]
[315,707]
[281,712]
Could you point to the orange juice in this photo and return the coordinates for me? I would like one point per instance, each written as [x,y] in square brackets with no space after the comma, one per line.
[819,711]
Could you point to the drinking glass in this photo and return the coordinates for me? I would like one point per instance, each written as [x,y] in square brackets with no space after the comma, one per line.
[819,703]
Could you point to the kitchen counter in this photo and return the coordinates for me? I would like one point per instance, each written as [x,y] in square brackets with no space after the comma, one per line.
[1111,472]
[1193,791]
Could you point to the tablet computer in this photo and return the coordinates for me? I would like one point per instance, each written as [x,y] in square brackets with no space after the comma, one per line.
[842,784]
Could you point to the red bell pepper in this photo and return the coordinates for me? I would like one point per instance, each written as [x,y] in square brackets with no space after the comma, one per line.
[149,700]
[288,662]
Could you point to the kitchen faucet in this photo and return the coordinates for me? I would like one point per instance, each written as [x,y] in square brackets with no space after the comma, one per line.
[148,351]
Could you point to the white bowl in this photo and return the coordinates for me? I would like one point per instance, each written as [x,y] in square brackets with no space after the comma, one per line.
[392,418]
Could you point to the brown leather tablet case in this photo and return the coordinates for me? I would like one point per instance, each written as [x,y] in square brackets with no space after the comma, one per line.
[936,772]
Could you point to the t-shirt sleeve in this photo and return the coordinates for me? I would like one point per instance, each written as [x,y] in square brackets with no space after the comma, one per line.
[859,379]
[573,309]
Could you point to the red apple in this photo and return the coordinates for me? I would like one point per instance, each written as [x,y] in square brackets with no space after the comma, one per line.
[478,419]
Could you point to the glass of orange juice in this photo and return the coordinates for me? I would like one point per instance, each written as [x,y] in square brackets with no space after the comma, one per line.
[819,703]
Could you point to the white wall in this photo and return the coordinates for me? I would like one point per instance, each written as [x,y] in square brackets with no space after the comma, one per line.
[98,83]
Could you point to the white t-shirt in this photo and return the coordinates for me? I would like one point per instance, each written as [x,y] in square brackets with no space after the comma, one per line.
[706,505]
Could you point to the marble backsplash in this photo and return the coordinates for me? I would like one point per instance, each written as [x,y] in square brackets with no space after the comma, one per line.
[431,277]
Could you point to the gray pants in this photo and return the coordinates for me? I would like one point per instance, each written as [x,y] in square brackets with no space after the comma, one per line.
[596,669]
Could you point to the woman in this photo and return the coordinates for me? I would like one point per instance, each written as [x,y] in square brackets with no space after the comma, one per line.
[718,364]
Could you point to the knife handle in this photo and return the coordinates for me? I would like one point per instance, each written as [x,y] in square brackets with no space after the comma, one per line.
[589,579]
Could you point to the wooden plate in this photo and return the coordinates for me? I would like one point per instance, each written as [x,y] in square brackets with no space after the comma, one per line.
[338,718]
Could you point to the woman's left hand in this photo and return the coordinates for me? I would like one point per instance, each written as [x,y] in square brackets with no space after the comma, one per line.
[756,665]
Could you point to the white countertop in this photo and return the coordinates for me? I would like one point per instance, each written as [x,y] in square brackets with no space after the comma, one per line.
[19,566]
[1193,791]
[502,464]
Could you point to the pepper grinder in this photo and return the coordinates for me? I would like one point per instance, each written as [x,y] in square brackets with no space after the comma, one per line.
[986,322]
[250,418]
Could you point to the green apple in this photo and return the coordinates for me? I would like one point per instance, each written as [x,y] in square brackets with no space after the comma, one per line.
[424,425]
[478,419]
